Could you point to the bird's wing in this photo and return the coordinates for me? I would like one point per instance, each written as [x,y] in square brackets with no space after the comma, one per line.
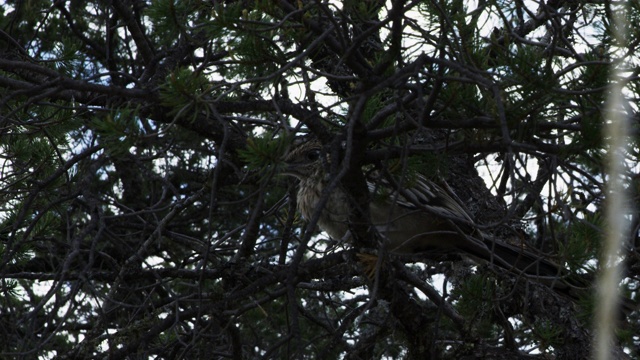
[422,195]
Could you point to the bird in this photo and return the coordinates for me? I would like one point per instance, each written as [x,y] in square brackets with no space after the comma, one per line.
[415,216]
[418,217]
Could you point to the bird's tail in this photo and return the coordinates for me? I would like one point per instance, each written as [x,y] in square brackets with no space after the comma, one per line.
[532,265]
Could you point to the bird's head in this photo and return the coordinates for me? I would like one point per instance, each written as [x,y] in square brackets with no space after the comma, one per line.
[305,160]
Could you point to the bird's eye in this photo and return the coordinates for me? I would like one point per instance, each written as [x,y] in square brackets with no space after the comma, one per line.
[313,155]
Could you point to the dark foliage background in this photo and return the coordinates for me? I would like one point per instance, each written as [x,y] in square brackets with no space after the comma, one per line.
[141,215]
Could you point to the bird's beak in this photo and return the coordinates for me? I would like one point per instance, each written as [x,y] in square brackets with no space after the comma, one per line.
[290,169]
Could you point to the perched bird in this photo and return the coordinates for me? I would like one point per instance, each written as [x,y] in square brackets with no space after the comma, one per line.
[415,217]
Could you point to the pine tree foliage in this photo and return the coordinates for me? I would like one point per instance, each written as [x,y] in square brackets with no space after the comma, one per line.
[143,214]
